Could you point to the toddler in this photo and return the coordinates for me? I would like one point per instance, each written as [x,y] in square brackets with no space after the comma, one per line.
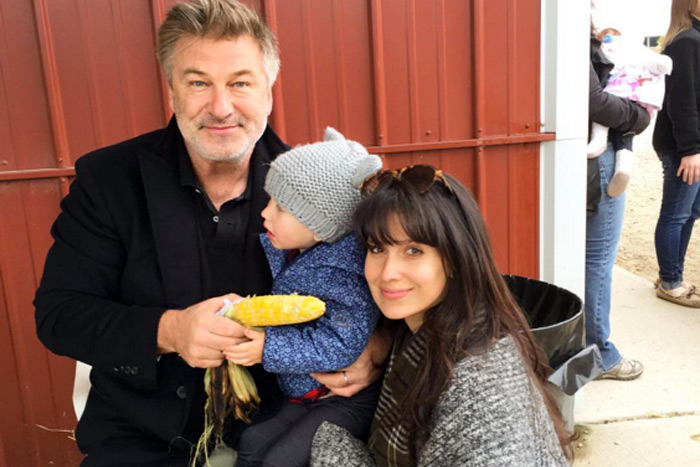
[639,76]
[313,191]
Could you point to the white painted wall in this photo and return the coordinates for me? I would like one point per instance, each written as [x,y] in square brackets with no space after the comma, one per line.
[564,91]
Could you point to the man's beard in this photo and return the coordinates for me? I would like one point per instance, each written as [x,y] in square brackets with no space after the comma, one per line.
[195,140]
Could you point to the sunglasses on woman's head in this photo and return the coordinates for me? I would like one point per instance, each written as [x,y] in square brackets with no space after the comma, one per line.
[422,177]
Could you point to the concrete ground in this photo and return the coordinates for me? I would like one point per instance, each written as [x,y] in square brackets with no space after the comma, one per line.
[654,420]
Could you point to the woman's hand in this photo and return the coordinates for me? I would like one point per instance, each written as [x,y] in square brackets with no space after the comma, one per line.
[368,367]
[690,169]
[248,353]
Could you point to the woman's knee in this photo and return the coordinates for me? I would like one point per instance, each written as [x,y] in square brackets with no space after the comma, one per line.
[252,446]
[287,455]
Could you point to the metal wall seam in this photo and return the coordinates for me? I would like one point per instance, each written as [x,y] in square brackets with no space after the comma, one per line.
[443,113]
[339,50]
[158,10]
[56,109]
[479,143]
[91,82]
[118,18]
[15,292]
[36,174]
[379,73]
[413,85]
[479,99]
[311,97]
[511,79]
[10,392]
[278,121]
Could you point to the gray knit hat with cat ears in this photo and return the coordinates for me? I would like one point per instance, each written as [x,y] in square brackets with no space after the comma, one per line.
[319,183]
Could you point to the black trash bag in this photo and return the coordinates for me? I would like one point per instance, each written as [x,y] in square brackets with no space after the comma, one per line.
[558,323]
[583,367]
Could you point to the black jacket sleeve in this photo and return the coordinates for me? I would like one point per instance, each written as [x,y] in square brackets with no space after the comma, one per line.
[79,309]
[614,112]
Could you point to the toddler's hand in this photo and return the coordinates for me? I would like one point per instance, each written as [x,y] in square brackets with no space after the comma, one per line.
[248,353]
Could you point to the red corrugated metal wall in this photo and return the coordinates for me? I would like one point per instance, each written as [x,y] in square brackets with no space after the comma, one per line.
[454,83]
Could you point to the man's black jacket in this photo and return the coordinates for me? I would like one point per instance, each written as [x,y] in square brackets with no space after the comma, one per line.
[125,250]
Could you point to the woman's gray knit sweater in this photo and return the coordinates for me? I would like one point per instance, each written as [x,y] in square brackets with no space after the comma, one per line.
[491,415]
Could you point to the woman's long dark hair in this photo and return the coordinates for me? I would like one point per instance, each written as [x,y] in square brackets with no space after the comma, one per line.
[477,309]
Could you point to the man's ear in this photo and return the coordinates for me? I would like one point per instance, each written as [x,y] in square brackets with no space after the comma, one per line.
[170,98]
[269,101]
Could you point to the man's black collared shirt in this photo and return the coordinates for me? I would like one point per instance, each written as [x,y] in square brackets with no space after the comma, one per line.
[222,233]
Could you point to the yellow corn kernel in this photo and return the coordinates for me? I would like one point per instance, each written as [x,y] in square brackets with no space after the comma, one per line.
[276,310]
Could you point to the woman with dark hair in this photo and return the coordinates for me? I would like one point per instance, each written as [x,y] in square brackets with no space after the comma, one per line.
[465,380]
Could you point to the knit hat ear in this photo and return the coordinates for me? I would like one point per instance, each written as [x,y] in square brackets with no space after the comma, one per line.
[331,134]
[369,165]
[319,183]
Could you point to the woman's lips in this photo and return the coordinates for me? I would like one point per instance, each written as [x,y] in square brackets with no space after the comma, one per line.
[394,294]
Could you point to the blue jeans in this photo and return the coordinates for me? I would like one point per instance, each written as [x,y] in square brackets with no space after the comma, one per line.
[602,236]
[680,206]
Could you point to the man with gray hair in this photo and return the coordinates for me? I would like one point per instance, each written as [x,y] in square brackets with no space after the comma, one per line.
[156,231]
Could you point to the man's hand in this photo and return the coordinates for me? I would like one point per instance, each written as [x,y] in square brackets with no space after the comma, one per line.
[198,334]
[248,353]
[364,371]
[690,169]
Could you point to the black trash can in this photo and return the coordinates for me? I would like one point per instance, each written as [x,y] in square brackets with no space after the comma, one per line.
[558,323]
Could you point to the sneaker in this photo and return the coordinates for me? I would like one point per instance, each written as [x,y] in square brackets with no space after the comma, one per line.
[686,295]
[624,371]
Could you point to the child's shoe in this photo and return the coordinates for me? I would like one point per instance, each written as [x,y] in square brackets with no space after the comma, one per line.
[599,140]
[624,159]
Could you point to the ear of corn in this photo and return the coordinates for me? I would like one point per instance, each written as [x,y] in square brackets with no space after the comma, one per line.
[230,388]
[275,310]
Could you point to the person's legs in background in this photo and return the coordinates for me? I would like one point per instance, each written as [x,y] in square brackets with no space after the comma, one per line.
[680,207]
[602,236]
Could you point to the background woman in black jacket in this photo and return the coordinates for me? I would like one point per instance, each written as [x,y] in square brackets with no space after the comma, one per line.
[677,142]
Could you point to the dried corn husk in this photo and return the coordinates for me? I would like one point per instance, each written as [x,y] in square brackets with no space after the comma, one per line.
[230,388]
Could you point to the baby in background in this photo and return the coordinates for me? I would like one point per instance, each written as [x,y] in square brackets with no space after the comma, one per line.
[639,76]
[311,251]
